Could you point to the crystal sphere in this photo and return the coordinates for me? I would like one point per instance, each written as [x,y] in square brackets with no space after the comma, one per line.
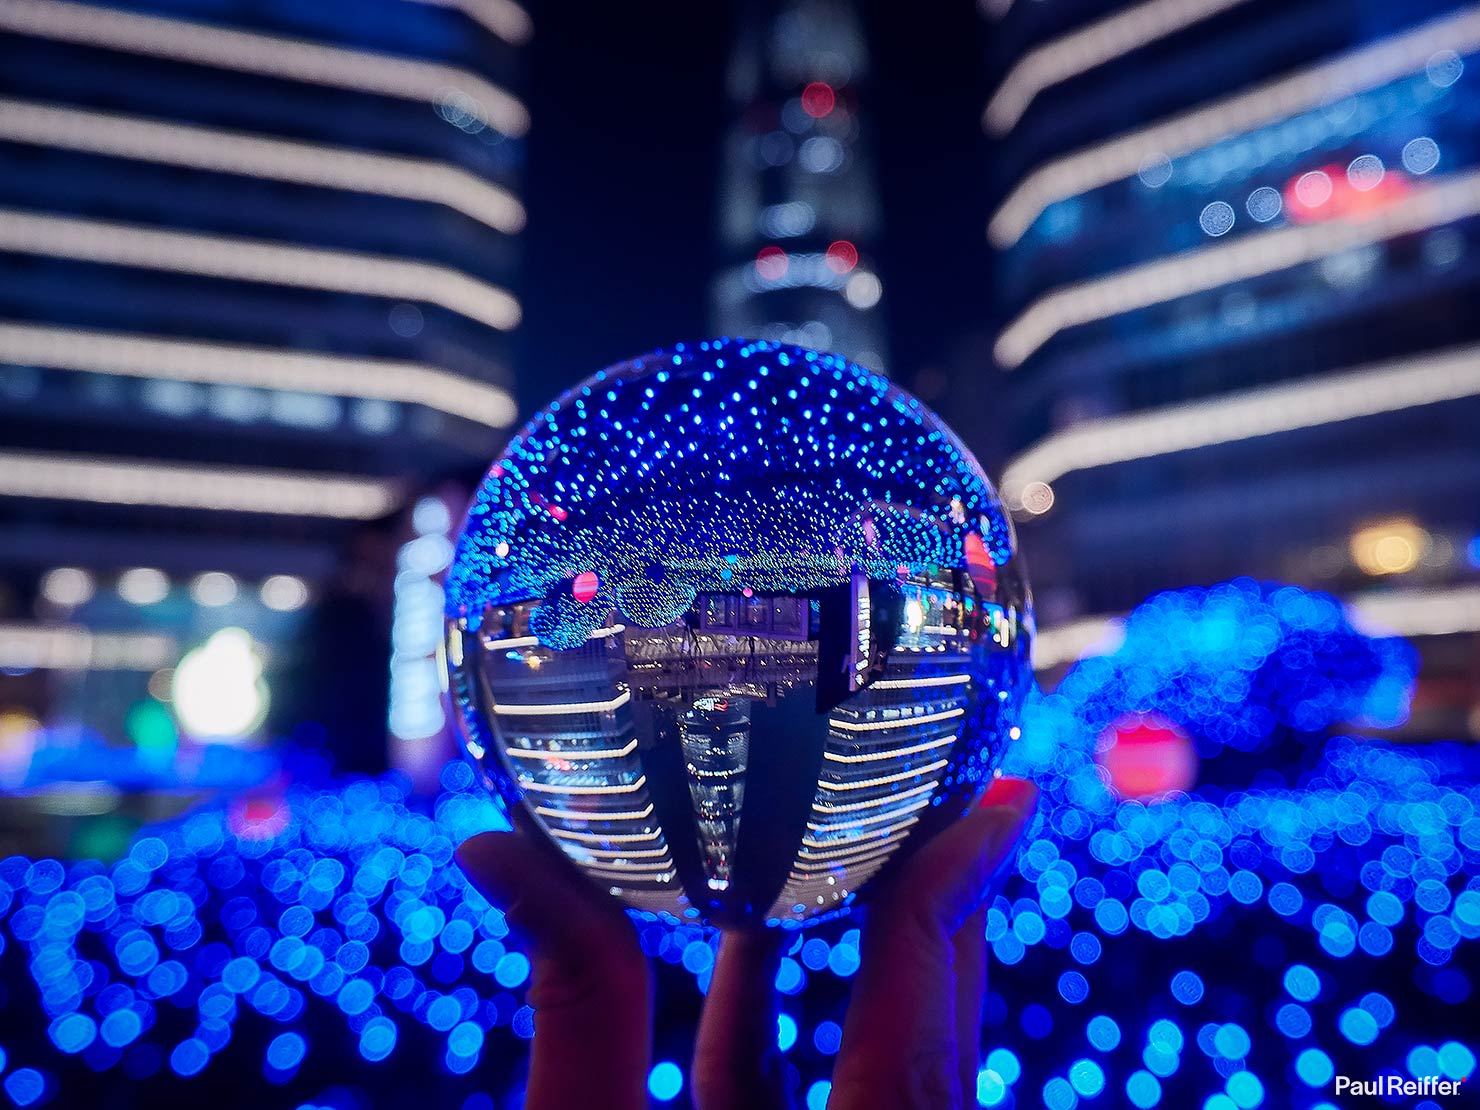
[737,625]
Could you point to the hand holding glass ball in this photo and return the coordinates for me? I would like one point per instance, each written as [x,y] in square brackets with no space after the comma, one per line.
[741,629]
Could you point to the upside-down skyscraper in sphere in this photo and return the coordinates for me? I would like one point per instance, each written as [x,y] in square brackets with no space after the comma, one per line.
[257,291]
[799,209]
[1237,254]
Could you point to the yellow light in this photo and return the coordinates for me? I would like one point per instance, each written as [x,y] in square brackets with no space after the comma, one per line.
[1388,547]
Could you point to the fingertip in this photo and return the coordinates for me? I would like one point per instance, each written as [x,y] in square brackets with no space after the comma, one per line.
[1010,792]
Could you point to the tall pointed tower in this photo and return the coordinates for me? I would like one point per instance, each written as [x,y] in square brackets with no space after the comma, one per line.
[799,209]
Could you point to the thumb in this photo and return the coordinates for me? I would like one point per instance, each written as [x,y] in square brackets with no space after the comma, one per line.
[900,1040]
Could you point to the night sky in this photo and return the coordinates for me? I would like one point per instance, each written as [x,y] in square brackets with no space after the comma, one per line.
[629,112]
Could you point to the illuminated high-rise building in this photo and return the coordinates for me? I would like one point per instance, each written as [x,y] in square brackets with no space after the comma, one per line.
[799,210]
[258,270]
[1237,250]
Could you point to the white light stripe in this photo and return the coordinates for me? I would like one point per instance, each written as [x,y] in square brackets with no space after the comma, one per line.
[1087,636]
[219,256]
[639,870]
[891,753]
[546,788]
[888,815]
[140,356]
[1400,612]
[533,641]
[1210,267]
[1088,47]
[903,722]
[1245,414]
[607,838]
[920,683]
[861,835]
[240,153]
[854,807]
[1121,157]
[67,648]
[593,815]
[504,18]
[504,709]
[810,862]
[1441,612]
[575,753]
[601,856]
[886,780]
[289,59]
[117,481]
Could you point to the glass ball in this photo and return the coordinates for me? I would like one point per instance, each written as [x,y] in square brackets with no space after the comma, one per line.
[737,625]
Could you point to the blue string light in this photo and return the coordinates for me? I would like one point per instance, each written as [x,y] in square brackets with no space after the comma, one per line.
[353,917]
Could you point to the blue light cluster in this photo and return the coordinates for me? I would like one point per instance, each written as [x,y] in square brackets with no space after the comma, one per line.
[1234,947]
[698,469]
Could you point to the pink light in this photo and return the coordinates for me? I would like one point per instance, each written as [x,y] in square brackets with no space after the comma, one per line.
[979,562]
[771,263]
[818,99]
[842,256]
[1147,757]
[584,588]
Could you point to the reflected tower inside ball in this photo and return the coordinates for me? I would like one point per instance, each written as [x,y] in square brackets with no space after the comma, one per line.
[737,625]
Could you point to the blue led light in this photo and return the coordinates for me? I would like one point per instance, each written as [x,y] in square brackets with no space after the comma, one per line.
[1352,857]
[1087,1078]
[1303,983]
[786,1031]
[73,1032]
[1187,987]
[817,1095]
[1005,1063]
[286,1051]
[120,1027]
[1245,1090]
[25,1086]
[1073,987]
[665,1081]
[991,1088]
[377,1039]
[1358,1026]
[827,1037]
[1143,1089]
[1292,1020]
[189,1057]
[1058,1094]
[1314,1068]
[789,976]
[1103,1032]
[1455,1060]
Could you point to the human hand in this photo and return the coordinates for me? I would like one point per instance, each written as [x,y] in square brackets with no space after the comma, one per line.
[913,1028]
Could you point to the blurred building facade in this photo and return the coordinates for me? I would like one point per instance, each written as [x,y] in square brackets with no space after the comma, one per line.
[1236,244]
[798,204]
[258,271]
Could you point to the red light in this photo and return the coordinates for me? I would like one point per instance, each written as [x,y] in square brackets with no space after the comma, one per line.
[557,512]
[818,99]
[1327,194]
[842,256]
[979,563]
[584,588]
[771,263]
[1147,757]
